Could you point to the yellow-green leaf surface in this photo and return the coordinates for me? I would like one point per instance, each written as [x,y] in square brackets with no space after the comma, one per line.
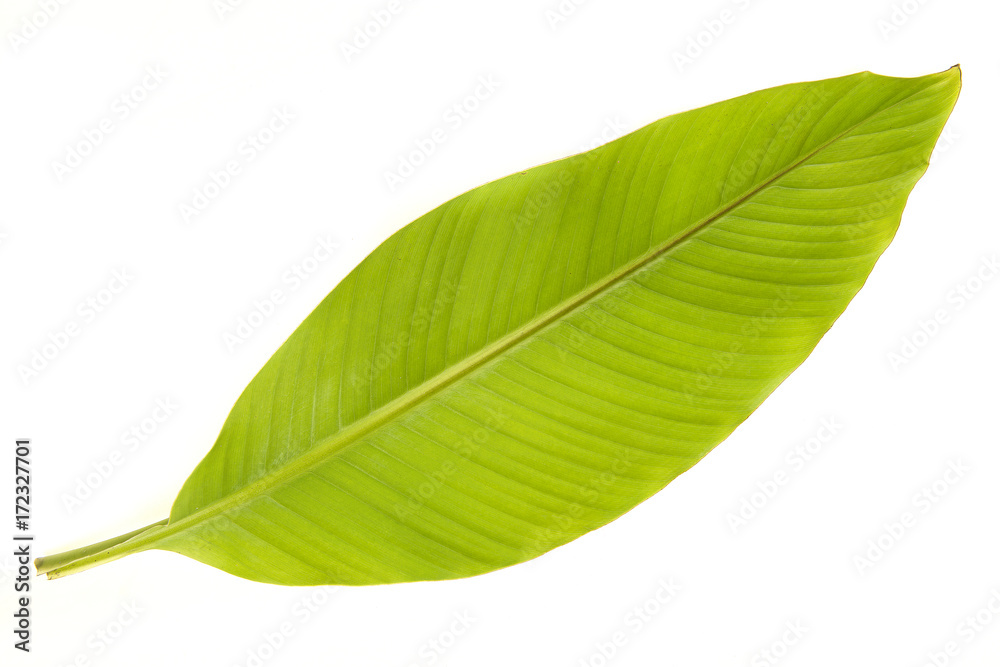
[535,357]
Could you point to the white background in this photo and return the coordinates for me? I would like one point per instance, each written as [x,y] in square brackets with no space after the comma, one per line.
[561,85]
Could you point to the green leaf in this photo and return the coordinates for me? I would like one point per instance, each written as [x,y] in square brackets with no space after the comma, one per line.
[535,357]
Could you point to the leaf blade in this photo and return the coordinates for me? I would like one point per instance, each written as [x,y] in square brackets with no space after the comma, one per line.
[634,332]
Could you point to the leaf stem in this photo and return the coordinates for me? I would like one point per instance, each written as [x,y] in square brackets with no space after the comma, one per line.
[84,558]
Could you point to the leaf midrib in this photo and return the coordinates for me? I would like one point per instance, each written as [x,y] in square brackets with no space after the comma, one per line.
[355,431]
